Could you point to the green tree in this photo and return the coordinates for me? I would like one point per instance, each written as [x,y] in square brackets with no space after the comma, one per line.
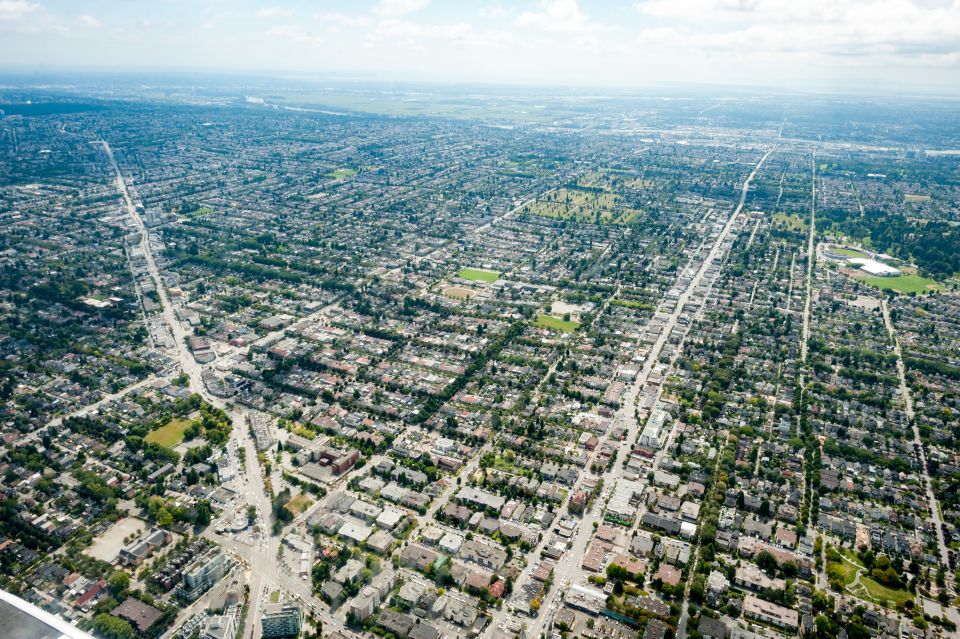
[118,582]
[111,627]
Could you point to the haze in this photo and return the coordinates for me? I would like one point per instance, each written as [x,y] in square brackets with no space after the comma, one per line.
[875,46]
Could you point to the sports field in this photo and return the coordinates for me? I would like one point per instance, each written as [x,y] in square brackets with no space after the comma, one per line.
[341,174]
[903,283]
[478,275]
[169,435]
[848,252]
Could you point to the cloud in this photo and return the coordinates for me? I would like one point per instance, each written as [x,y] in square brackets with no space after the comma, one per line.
[90,21]
[415,35]
[397,8]
[495,10]
[823,27]
[294,33]
[11,10]
[335,20]
[275,12]
[561,16]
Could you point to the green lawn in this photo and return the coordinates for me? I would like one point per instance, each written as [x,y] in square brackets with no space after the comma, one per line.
[903,283]
[557,324]
[169,435]
[478,275]
[848,252]
[880,593]
[340,174]
[868,588]
[200,212]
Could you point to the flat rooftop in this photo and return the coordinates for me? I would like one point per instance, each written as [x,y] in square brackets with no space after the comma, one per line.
[22,620]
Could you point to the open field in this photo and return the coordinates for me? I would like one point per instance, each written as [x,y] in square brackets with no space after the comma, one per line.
[107,545]
[548,321]
[458,292]
[911,198]
[790,222]
[583,206]
[478,275]
[903,283]
[299,504]
[169,435]
[340,174]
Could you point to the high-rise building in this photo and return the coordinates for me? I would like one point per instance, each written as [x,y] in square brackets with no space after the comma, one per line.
[281,620]
[202,573]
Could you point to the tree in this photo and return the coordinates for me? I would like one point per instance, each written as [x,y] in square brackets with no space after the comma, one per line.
[112,627]
[118,582]
[164,518]
[766,561]
[203,513]
[616,571]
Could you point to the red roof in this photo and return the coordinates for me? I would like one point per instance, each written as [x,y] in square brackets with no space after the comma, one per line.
[91,592]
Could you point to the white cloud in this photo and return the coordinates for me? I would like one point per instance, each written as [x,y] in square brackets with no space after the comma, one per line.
[294,33]
[415,35]
[825,27]
[335,20]
[495,10]
[397,8]
[562,16]
[275,12]
[11,10]
[90,21]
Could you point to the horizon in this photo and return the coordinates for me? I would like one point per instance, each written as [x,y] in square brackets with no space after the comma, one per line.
[854,47]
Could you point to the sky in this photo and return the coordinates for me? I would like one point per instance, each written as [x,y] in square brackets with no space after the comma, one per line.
[873,46]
